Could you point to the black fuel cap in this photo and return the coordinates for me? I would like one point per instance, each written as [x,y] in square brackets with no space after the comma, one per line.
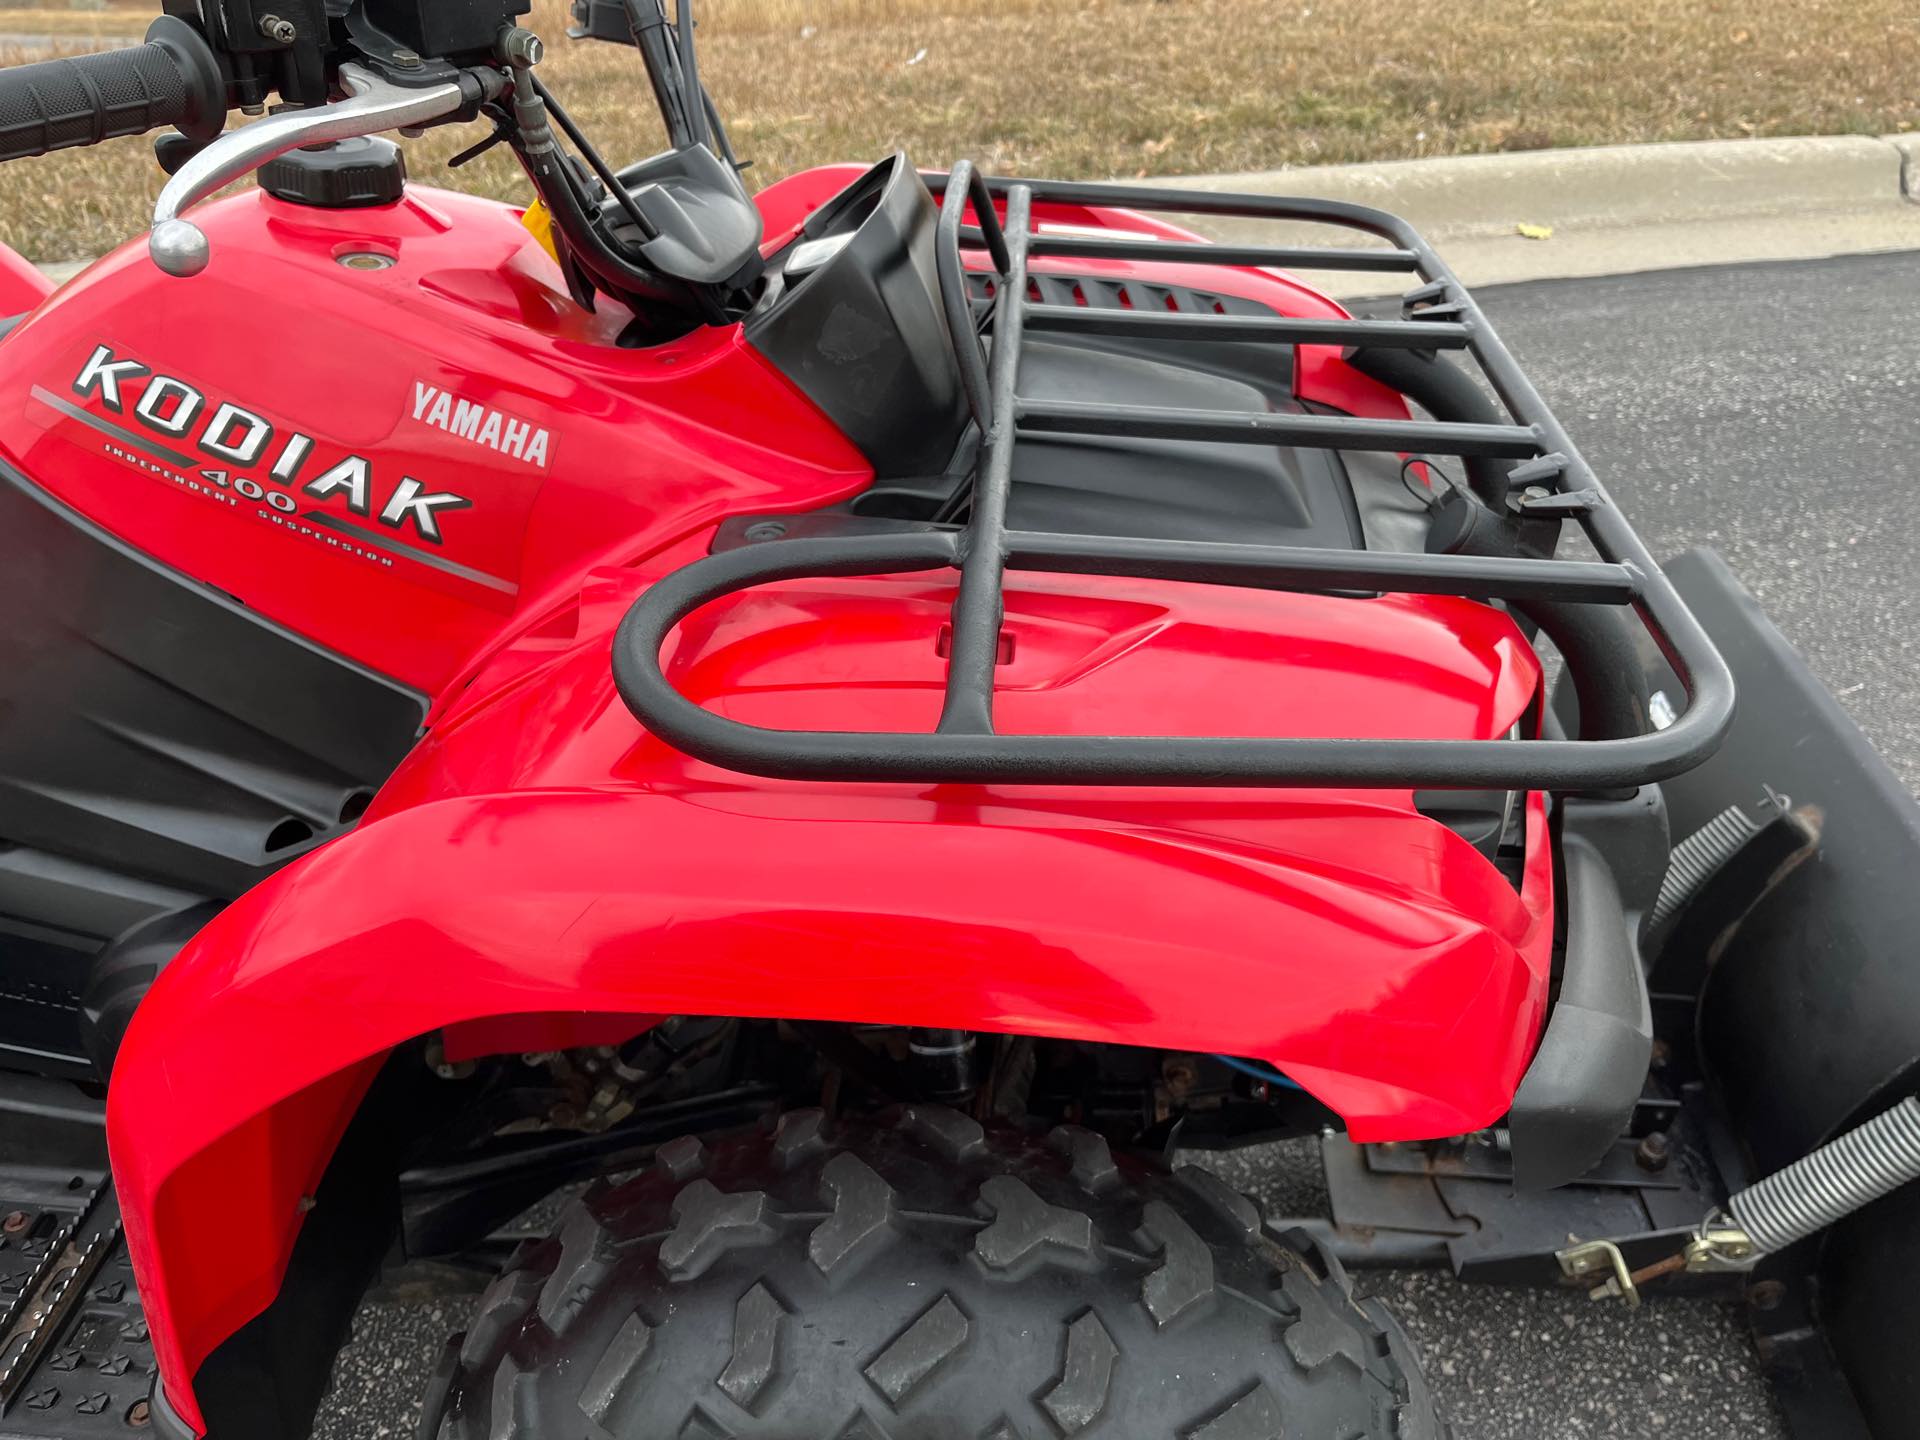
[341,174]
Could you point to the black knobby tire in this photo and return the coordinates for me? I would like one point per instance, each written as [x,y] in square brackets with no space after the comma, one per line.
[854,1281]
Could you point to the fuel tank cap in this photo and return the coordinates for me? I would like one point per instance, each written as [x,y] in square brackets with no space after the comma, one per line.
[338,175]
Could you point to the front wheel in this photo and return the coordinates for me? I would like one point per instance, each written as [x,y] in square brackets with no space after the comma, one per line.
[925,1281]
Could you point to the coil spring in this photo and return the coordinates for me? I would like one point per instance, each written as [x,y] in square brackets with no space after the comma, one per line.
[1834,1181]
[1696,858]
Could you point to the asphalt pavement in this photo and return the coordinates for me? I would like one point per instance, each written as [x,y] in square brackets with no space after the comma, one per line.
[1769,411]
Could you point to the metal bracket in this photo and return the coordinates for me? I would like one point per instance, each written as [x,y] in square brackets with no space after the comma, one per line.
[1720,1247]
[179,247]
[1717,1247]
[1591,1257]
[1540,504]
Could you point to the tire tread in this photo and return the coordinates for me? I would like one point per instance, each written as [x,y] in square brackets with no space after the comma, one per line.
[928,1280]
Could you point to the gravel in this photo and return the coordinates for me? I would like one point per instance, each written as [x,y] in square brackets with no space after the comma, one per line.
[1772,412]
[380,1376]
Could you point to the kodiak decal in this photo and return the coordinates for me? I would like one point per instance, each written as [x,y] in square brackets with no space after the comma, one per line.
[175,411]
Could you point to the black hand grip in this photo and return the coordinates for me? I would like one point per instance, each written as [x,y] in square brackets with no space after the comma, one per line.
[55,104]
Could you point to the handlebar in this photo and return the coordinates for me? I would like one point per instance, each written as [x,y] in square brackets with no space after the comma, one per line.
[174,79]
[56,104]
[398,65]
[179,247]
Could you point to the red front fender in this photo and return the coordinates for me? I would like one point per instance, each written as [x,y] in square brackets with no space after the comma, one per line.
[243,1066]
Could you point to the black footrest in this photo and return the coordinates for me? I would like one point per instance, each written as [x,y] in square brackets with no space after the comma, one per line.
[75,1358]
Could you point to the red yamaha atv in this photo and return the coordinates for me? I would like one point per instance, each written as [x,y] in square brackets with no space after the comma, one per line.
[862,721]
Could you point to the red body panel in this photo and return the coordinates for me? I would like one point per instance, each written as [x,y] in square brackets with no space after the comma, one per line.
[540,867]
[644,446]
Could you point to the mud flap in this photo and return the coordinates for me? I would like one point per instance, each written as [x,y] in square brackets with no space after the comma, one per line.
[1809,1011]
[1580,1089]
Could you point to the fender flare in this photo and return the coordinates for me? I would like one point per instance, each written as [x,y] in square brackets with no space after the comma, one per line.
[245,1063]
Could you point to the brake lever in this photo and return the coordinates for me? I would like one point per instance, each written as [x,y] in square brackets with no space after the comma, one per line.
[179,247]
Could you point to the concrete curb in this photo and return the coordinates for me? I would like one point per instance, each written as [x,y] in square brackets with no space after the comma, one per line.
[1614,210]
[1612,186]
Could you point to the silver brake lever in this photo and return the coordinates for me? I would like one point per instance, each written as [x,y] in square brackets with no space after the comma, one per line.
[179,247]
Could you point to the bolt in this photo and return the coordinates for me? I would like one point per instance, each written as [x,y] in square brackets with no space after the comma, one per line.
[521,48]
[406,59]
[15,1222]
[1654,1151]
[138,1414]
[765,530]
[281,32]
[1180,1075]
[1766,1294]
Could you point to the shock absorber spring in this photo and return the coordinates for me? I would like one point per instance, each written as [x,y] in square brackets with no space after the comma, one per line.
[1832,1182]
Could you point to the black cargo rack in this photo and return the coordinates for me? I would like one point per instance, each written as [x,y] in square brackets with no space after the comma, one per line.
[1440,315]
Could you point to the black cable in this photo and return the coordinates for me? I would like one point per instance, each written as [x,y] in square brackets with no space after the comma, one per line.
[718,130]
[502,131]
[593,158]
[647,22]
[1432,495]
[556,182]
[692,96]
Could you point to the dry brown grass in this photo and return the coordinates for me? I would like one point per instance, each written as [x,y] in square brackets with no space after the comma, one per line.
[1128,87]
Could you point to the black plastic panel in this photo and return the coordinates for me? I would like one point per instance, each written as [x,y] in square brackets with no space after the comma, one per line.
[1810,1018]
[1148,488]
[1582,1084]
[1169,489]
[159,744]
[1810,1015]
[863,334]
